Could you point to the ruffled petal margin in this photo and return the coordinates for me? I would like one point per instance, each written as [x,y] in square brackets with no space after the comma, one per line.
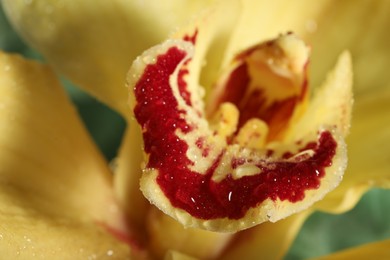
[230,188]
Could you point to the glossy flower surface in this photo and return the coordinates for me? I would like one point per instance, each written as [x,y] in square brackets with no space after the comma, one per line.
[63,194]
[248,164]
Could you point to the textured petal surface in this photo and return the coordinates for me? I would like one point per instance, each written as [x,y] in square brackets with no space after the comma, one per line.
[94,42]
[55,187]
[204,179]
[26,234]
[378,250]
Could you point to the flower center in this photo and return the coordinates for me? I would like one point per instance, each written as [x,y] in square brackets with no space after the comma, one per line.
[267,82]
[225,170]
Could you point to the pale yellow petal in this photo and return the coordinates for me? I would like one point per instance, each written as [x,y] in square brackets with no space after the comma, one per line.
[127,173]
[369,152]
[331,104]
[361,27]
[261,20]
[94,42]
[265,241]
[26,234]
[165,234]
[369,162]
[378,251]
[51,176]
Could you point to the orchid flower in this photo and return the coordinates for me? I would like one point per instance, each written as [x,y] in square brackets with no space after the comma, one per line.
[238,119]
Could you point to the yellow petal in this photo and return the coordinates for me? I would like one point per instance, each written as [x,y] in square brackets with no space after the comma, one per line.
[53,182]
[127,173]
[369,163]
[26,234]
[331,104]
[165,234]
[94,42]
[261,20]
[265,241]
[377,250]
[339,27]
[369,156]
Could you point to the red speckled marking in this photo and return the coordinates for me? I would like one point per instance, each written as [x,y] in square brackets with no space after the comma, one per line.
[202,145]
[158,114]
[185,94]
[191,38]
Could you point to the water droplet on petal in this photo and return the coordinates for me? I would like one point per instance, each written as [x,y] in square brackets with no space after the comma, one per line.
[230,196]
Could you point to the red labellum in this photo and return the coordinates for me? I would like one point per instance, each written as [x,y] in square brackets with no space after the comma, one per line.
[166,124]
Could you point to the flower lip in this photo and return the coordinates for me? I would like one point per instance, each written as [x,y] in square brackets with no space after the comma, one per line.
[267,81]
[194,170]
